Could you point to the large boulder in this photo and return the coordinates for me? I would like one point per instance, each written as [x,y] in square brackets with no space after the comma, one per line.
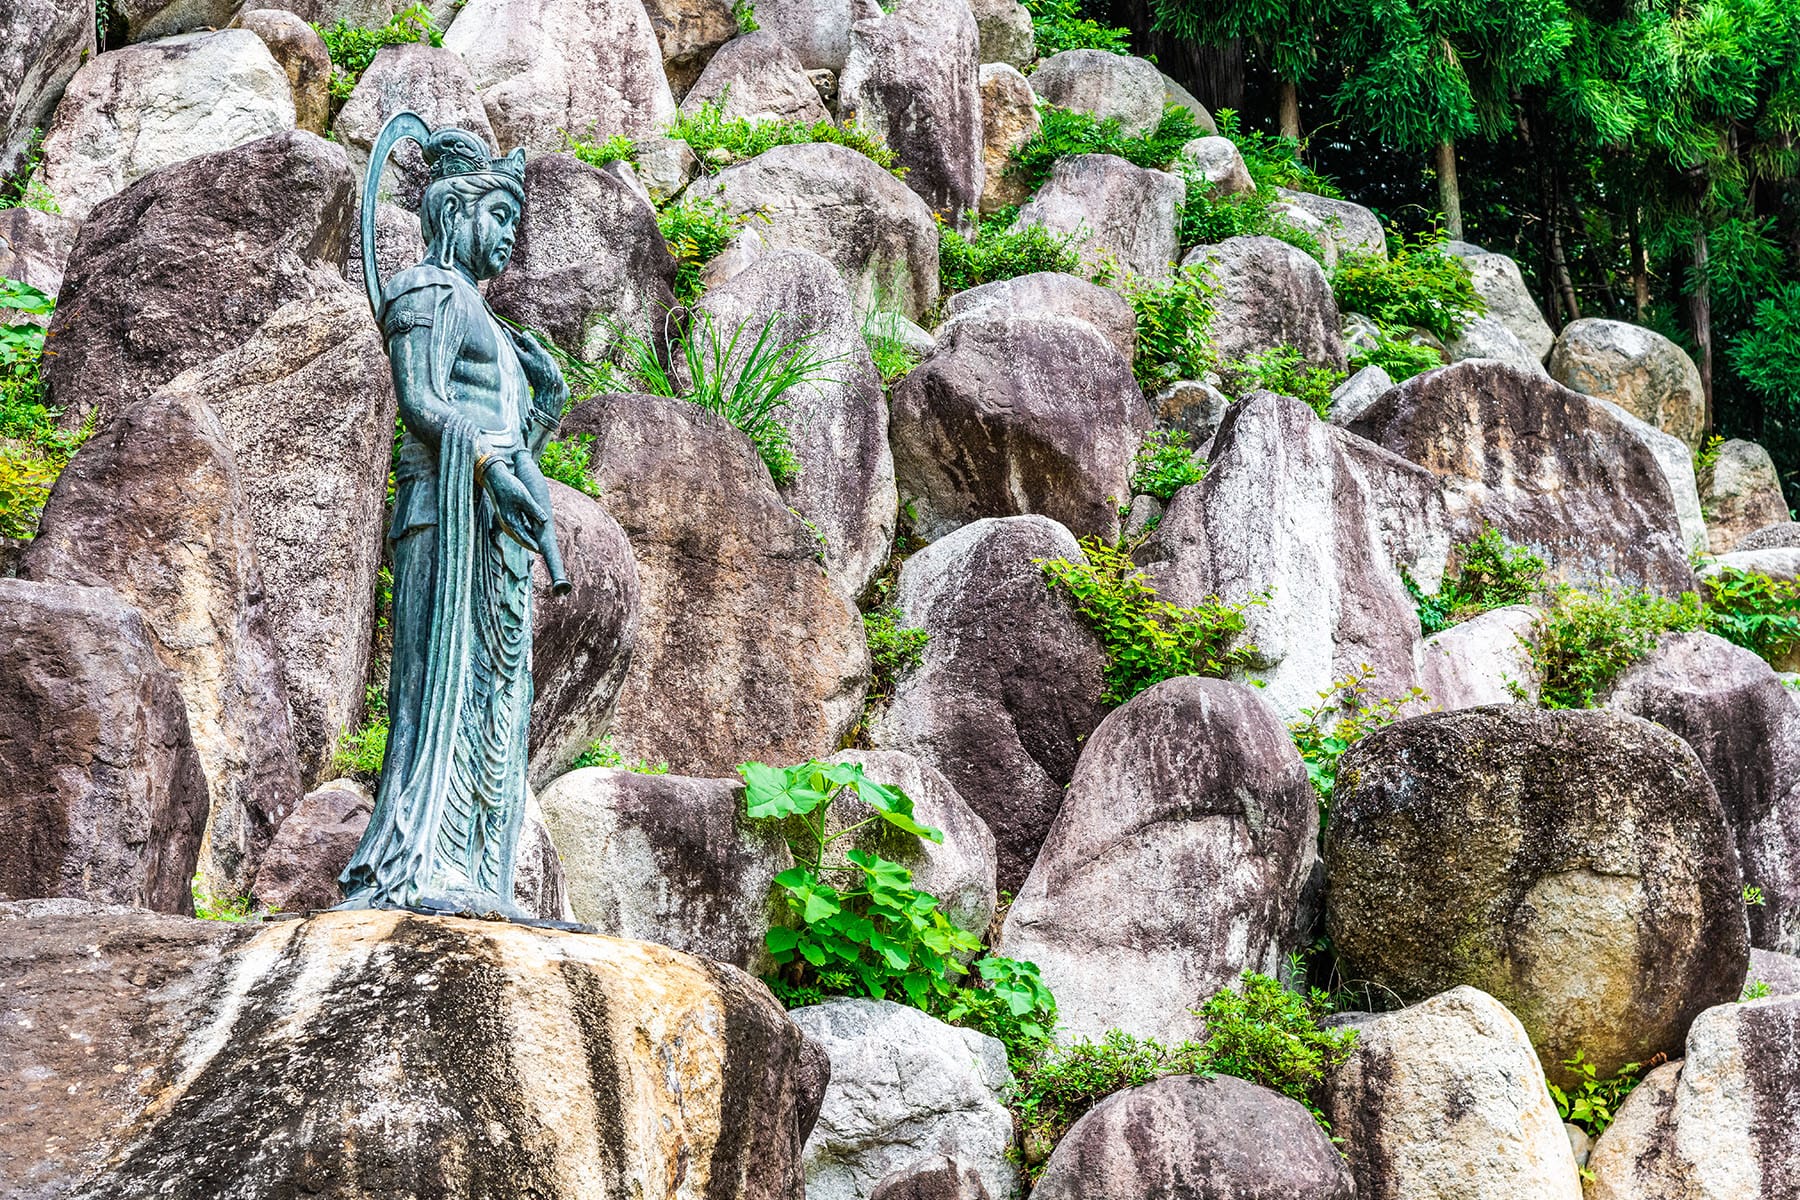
[307,405]
[129,112]
[1218,161]
[315,843]
[1016,415]
[739,620]
[1445,1100]
[1270,294]
[154,507]
[1743,495]
[1576,866]
[1503,293]
[839,204]
[935,1177]
[1003,716]
[817,31]
[912,79]
[200,1058]
[303,56]
[1196,1137]
[1350,230]
[1308,527]
[42,44]
[1741,721]
[1050,294]
[248,229]
[100,789]
[580,641]
[1103,84]
[1123,218]
[1484,660]
[1485,337]
[668,859]
[589,260]
[34,249]
[904,1085]
[1783,535]
[838,424]
[550,69]
[429,80]
[1676,462]
[1009,119]
[1175,863]
[690,33]
[1546,466]
[1007,35]
[1636,368]
[1715,1125]
[758,78]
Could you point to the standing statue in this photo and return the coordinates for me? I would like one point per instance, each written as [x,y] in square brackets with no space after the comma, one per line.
[478,401]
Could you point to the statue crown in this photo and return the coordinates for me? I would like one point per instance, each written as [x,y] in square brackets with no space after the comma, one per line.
[452,152]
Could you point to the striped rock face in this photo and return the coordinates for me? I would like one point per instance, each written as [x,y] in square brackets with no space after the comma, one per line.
[381,1054]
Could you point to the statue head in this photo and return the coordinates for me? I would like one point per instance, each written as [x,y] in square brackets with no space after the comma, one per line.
[472,205]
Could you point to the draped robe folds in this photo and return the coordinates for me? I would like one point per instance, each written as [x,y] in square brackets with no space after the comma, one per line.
[453,783]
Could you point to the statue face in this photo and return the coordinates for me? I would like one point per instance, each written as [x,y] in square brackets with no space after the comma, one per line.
[484,235]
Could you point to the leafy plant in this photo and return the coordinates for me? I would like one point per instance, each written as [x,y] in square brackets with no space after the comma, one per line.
[696,231]
[360,751]
[1269,1035]
[893,356]
[602,754]
[1163,465]
[1174,328]
[894,650]
[717,140]
[1592,1102]
[211,907]
[1705,459]
[567,460]
[34,447]
[1754,611]
[617,148]
[25,189]
[1587,638]
[1419,286]
[1394,353]
[744,13]
[1347,712]
[1208,218]
[1755,989]
[1493,574]
[1059,25]
[997,251]
[1767,352]
[353,47]
[1272,161]
[1147,639]
[1065,131]
[1283,370]
[1753,896]
[1058,1088]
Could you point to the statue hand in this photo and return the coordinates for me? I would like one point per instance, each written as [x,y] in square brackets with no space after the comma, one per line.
[522,514]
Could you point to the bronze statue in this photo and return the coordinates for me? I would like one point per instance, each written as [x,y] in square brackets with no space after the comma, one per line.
[478,401]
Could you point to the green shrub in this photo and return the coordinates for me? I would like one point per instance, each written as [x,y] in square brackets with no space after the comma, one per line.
[708,130]
[1419,286]
[893,356]
[34,447]
[1207,219]
[1270,1035]
[1174,328]
[1705,459]
[1587,638]
[894,650]
[1065,131]
[603,754]
[1347,712]
[360,751]
[1163,465]
[744,13]
[1767,353]
[1493,573]
[567,460]
[1282,370]
[1147,639]
[1059,25]
[353,47]
[1753,611]
[1272,161]
[1394,353]
[998,251]
[1057,1089]
[211,907]
[25,188]
[1592,1102]
[617,148]
[696,231]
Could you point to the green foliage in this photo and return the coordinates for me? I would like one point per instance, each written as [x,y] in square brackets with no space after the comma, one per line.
[567,461]
[1059,25]
[360,751]
[34,447]
[1587,638]
[744,13]
[1207,219]
[1270,1035]
[211,907]
[859,925]
[1767,353]
[1163,465]
[1592,1102]
[1705,459]
[1057,1089]
[1347,712]
[1282,369]
[1273,162]
[1147,639]
[1419,285]
[893,356]
[1394,353]
[25,189]
[1493,573]
[1753,611]
[894,649]
[1174,328]
[617,148]
[353,47]
[1755,989]
[697,231]
[997,251]
[602,754]
[1753,896]
[718,141]
[1065,131]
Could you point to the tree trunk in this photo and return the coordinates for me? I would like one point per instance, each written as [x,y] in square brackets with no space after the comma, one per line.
[1559,260]
[1449,195]
[1701,311]
[1290,110]
[1640,265]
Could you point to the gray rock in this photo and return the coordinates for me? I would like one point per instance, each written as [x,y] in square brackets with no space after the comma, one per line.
[314,844]
[398,245]
[1007,35]
[1743,495]
[1321,522]
[1446,1098]
[589,260]
[250,229]
[1174,93]
[1351,398]
[539,885]
[549,67]
[817,31]
[100,788]
[154,507]
[1352,230]
[133,111]
[301,52]
[1734,711]
[1594,501]
[1482,660]
[1704,1128]
[1218,161]
[34,248]
[1781,972]
[913,80]
[1677,464]
[1104,85]
[1502,289]
[903,1085]
[690,33]
[1009,119]
[1121,217]
[1175,863]
[1207,1138]
[839,425]
[738,619]
[1545,858]
[1195,408]
[936,1177]
[758,78]
[1484,337]
[42,44]
[429,80]
[307,406]
[1270,294]
[581,642]
[1783,535]
[142,20]
[837,203]
[668,859]
[1002,718]
[1636,368]
[1051,294]
[1018,415]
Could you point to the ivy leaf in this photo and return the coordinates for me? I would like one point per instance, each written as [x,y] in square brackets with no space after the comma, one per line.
[781,940]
